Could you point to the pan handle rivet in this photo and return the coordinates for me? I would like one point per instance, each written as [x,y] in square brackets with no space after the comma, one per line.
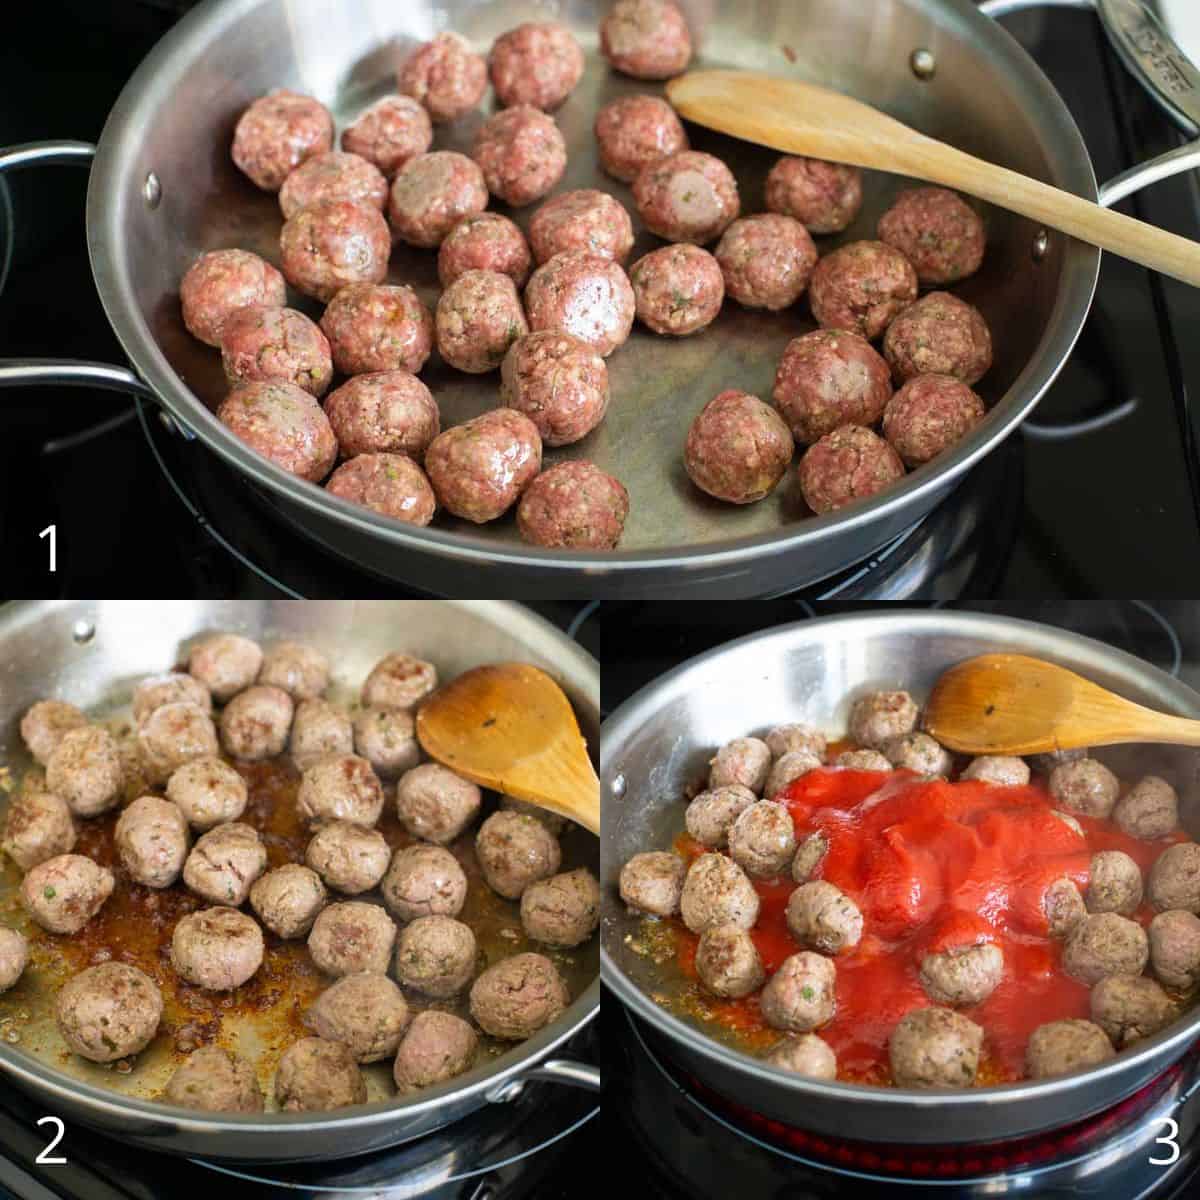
[152,190]
[1041,245]
[617,787]
[83,632]
[923,64]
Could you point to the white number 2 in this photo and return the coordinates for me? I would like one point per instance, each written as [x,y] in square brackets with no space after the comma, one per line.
[51,532]
[44,1158]
[1168,1139]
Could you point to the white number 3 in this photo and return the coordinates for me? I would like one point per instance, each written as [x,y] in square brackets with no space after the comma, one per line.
[44,1158]
[1168,1139]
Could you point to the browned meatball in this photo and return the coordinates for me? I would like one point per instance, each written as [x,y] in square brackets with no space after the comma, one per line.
[277,133]
[939,335]
[389,133]
[767,260]
[436,956]
[151,838]
[222,281]
[1063,907]
[386,738]
[574,506]
[352,936]
[806,1055]
[1175,878]
[208,792]
[174,688]
[1000,769]
[226,664]
[45,723]
[711,814]
[861,287]
[85,770]
[737,448]
[1129,1008]
[348,858]
[559,382]
[937,231]
[743,761]
[1175,948]
[562,911]
[485,242]
[1150,809]
[823,196]
[434,804]
[37,826]
[935,1047]
[849,464]
[918,752]
[224,863]
[863,760]
[288,899]
[317,1076]
[1085,786]
[64,893]
[822,916]
[827,379]
[478,469]
[652,882]
[399,681]
[581,220]
[928,415]
[648,39]
[388,412]
[424,881]
[437,1047]
[799,997]
[517,996]
[585,295]
[366,1013]
[678,290]
[963,974]
[319,729]
[217,949]
[432,193]
[301,670]
[213,1079]
[341,787]
[878,717]
[1061,1046]
[809,854]
[479,316]
[445,76]
[1114,883]
[255,724]
[390,484]
[514,851]
[537,63]
[284,424]
[521,153]
[762,839]
[334,175]
[173,735]
[377,327]
[1105,944]
[727,962]
[633,131]
[687,197]
[334,244]
[108,1012]
[787,768]
[717,892]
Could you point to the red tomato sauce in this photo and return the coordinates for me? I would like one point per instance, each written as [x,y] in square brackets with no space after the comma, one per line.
[932,866]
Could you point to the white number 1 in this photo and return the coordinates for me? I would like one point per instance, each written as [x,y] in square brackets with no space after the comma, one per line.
[51,532]
[44,1158]
[1168,1139]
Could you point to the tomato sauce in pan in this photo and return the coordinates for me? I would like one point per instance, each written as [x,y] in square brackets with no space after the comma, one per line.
[932,865]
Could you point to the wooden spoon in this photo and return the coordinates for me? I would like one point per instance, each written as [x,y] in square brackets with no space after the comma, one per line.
[509,726]
[803,118]
[1011,704]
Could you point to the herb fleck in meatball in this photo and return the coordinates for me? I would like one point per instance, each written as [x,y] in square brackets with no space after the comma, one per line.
[799,997]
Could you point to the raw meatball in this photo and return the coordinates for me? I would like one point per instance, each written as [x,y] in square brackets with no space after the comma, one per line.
[1085,786]
[479,316]
[743,761]
[799,996]
[37,826]
[574,506]
[1150,809]
[937,231]
[823,196]
[283,423]
[935,1047]
[388,412]
[486,242]
[424,881]
[647,39]
[224,863]
[585,295]
[108,1012]
[14,953]
[445,76]
[175,688]
[436,956]
[806,1055]
[517,996]
[727,962]
[277,133]
[1061,1046]
[437,1047]
[537,63]
[340,787]
[85,770]
[1175,948]
[581,220]
[1063,907]
[786,739]
[766,261]
[552,821]
[559,382]
[737,448]
[918,752]
[1105,944]
[562,911]
[678,290]
[376,328]
[878,717]
[762,840]
[787,768]
[226,664]
[217,949]
[222,281]
[317,1076]
[999,769]
[208,792]
[861,287]
[514,851]
[711,814]
[434,804]
[521,153]
[939,335]
[365,1013]
[390,484]
[288,899]
[255,724]
[432,193]
[352,936]
[387,739]
[333,175]
[928,415]
[809,854]
[324,248]
[215,1080]
[46,723]
[827,379]
[849,464]
[652,882]
[687,197]
[319,729]
[389,133]
[822,916]
[716,891]
[173,735]
[633,131]
[479,468]
[348,858]
[1128,1008]
[1114,884]
[399,681]
[151,838]
[1175,878]
[962,975]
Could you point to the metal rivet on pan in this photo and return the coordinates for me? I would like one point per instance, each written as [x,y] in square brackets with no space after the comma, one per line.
[152,190]
[923,63]
[83,632]
[617,787]
[167,421]
[1041,245]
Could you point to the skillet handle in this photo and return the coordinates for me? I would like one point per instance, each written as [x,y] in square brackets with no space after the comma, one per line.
[569,1071]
